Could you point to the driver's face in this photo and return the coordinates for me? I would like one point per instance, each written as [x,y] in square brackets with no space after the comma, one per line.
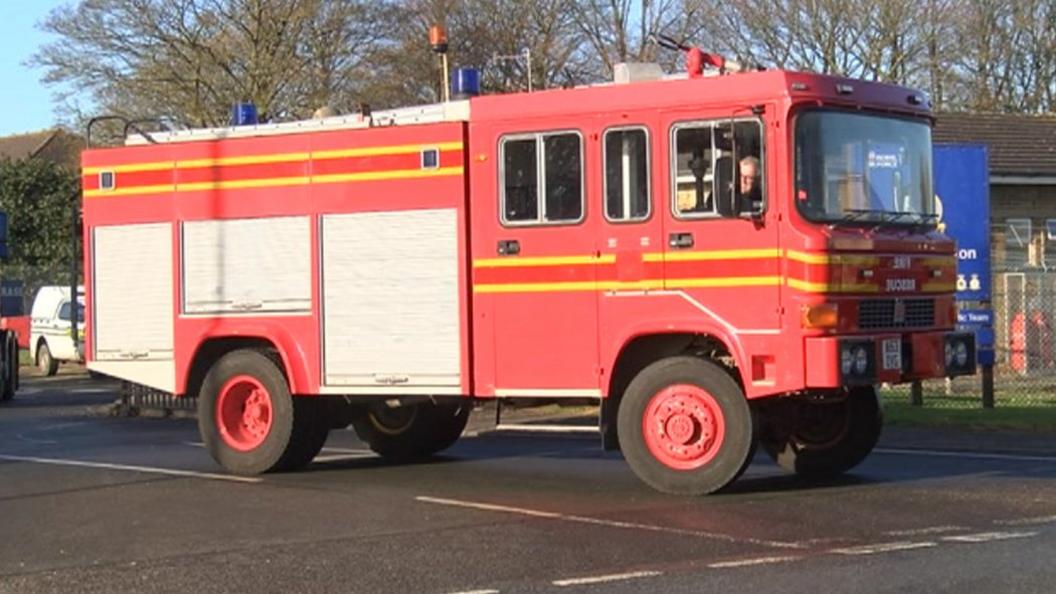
[749,176]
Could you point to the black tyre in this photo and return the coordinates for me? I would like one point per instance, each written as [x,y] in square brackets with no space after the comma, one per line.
[48,365]
[248,420]
[9,373]
[412,431]
[685,426]
[820,439]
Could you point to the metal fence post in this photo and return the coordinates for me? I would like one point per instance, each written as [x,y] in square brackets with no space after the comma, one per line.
[988,386]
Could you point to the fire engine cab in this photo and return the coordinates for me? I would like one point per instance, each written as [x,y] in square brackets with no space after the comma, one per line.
[719,259]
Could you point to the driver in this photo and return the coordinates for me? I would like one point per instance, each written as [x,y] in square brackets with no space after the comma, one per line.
[750,194]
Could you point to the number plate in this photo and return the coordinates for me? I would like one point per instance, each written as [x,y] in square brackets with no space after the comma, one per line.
[892,349]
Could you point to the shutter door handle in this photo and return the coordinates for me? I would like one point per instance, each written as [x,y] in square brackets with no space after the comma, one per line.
[680,240]
[509,247]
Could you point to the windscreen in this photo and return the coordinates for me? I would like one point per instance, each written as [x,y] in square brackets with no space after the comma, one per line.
[853,167]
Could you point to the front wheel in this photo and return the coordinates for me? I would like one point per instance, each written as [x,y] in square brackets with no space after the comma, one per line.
[48,364]
[685,426]
[411,431]
[249,421]
[819,438]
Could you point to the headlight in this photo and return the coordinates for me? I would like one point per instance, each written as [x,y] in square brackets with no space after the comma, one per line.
[846,361]
[961,353]
[861,361]
[949,354]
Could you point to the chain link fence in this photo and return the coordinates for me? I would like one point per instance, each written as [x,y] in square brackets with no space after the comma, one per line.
[1023,300]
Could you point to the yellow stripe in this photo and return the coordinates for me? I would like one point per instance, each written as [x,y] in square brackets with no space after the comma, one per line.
[939,287]
[720,282]
[642,285]
[811,287]
[247,160]
[384,175]
[517,262]
[807,258]
[165,188]
[236,184]
[753,254]
[536,287]
[374,151]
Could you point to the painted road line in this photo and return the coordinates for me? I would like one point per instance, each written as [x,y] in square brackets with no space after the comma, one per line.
[988,537]
[604,579]
[344,457]
[966,455]
[607,523]
[752,562]
[131,468]
[1027,521]
[884,547]
[922,531]
[477,592]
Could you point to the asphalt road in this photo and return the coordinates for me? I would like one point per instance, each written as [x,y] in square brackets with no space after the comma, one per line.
[97,504]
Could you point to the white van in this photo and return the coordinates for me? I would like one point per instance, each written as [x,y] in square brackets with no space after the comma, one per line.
[49,336]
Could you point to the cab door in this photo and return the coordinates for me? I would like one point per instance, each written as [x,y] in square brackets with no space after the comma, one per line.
[534,261]
[721,246]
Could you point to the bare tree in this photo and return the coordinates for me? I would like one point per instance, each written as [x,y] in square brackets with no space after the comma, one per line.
[189,60]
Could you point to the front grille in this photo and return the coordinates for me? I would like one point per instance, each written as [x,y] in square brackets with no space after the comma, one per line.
[881,313]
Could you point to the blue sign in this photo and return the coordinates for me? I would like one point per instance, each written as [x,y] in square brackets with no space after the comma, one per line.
[980,321]
[962,189]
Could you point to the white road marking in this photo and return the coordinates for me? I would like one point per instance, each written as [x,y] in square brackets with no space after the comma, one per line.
[602,579]
[342,457]
[131,468]
[989,536]
[884,547]
[1026,521]
[601,522]
[920,531]
[966,455]
[751,562]
[477,592]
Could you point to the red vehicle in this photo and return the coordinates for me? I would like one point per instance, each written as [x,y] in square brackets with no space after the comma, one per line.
[720,261]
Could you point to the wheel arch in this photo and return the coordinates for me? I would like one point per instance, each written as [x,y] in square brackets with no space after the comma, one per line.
[211,350]
[639,351]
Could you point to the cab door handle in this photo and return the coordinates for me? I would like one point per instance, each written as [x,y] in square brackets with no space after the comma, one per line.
[509,247]
[680,240]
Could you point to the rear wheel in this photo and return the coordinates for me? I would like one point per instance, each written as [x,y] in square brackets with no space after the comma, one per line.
[250,423]
[48,364]
[685,426]
[819,438]
[9,375]
[412,431]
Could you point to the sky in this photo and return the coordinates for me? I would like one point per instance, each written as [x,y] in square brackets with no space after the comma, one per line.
[26,103]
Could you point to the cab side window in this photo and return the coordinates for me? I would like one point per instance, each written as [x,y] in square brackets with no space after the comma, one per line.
[542,179]
[717,169]
[627,175]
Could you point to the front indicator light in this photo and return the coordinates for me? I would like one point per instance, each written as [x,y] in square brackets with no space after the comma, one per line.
[821,316]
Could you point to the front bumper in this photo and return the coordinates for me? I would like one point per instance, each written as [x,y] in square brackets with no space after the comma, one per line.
[888,358]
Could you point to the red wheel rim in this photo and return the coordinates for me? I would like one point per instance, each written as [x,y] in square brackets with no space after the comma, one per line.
[244,413]
[683,427]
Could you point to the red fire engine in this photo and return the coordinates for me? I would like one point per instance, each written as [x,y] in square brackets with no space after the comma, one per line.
[720,260]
